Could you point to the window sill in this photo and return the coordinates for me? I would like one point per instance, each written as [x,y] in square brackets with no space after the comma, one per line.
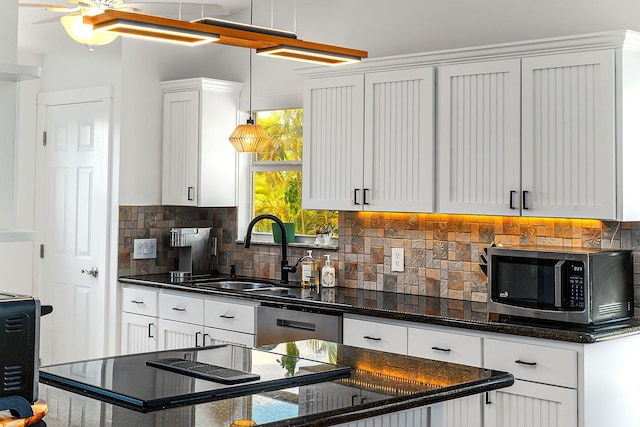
[300,242]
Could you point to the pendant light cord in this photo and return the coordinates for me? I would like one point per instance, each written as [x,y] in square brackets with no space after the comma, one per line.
[250,67]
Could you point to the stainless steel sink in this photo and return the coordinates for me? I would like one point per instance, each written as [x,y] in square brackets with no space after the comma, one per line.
[242,286]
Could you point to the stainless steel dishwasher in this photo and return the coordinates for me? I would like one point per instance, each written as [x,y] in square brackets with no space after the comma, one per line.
[276,324]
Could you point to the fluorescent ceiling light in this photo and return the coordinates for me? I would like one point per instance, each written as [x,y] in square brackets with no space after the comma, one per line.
[308,55]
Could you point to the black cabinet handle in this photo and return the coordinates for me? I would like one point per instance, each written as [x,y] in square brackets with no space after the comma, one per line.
[355,196]
[445,350]
[204,339]
[198,333]
[179,309]
[522,362]
[367,337]
[487,401]
[189,193]
[149,329]
[137,302]
[524,200]
[224,316]
[511,194]
[364,196]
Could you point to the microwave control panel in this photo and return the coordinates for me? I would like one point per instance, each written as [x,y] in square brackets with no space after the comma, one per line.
[575,280]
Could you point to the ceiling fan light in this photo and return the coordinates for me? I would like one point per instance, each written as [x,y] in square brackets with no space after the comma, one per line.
[84,33]
[307,55]
[250,138]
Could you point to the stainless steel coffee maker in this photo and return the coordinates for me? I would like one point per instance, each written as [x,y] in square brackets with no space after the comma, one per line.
[195,251]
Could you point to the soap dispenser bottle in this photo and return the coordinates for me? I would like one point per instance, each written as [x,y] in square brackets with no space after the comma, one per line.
[328,274]
[308,267]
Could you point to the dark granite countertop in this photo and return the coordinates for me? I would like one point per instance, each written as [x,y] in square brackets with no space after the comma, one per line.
[380,383]
[413,308]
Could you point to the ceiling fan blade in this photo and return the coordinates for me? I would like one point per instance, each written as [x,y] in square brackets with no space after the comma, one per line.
[175,9]
[48,20]
[85,3]
[50,7]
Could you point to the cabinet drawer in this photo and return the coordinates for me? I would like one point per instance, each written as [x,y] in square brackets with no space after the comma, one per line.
[375,335]
[217,336]
[231,316]
[546,365]
[140,301]
[444,346]
[181,308]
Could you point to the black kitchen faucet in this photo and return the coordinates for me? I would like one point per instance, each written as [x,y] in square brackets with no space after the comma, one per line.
[285,268]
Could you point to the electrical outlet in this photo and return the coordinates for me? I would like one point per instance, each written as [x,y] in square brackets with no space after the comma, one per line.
[397,259]
[144,248]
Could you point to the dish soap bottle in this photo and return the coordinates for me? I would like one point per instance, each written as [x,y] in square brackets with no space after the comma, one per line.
[308,267]
[328,274]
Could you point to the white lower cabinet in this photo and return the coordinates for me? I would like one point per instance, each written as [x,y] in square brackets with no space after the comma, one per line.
[529,404]
[545,393]
[139,333]
[440,344]
[166,320]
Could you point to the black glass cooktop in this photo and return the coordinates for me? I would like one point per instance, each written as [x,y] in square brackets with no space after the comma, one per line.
[140,382]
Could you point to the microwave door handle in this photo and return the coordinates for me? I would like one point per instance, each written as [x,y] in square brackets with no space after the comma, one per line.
[558,283]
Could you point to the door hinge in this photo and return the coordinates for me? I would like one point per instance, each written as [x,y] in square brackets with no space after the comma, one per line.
[44,138]
[41,251]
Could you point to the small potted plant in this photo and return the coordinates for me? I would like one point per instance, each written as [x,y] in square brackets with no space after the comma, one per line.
[324,234]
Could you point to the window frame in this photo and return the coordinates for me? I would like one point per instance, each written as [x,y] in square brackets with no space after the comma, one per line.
[248,164]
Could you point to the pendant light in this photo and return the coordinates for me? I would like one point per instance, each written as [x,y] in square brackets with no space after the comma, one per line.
[250,137]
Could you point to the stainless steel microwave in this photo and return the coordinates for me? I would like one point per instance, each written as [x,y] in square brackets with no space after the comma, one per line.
[583,286]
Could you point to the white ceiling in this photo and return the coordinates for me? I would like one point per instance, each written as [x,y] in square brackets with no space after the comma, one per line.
[47,37]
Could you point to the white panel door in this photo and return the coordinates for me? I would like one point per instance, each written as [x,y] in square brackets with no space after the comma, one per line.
[139,333]
[332,149]
[527,404]
[478,112]
[75,230]
[568,135]
[173,335]
[398,147]
[180,148]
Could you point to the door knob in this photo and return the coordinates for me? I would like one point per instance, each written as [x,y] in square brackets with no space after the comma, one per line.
[93,272]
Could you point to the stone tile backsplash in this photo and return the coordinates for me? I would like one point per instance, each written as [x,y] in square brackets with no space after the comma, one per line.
[442,252]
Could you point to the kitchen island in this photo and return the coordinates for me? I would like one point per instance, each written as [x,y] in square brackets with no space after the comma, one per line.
[380,385]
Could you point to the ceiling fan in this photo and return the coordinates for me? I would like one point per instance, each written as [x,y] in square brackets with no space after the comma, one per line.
[72,20]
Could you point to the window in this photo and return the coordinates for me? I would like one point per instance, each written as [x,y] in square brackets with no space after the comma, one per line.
[276,176]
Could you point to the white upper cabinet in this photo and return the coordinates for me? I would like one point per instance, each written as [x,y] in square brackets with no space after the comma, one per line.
[333,142]
[531,137]
[199,164]
[542,128]
[368,141]
[398,141]
[569,135]
[479,138]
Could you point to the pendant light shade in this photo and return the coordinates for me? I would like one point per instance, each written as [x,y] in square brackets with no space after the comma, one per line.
[250,138]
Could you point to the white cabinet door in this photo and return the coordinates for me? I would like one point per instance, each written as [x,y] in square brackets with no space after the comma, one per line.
[479,138]
[199,164]
[180,124]
[398,141]
[527,404]
[332,156]
[173,335]
[461,412]
[139,334]
[569,136]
